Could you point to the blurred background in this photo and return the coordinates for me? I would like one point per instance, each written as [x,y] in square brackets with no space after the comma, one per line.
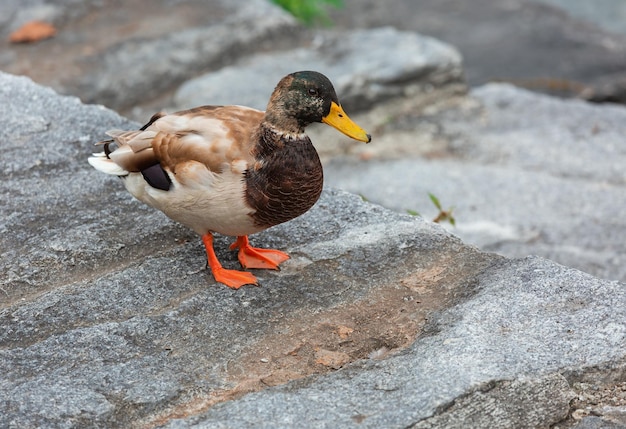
[106,51]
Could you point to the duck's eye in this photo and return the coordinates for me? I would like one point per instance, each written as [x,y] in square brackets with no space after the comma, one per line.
[313,92]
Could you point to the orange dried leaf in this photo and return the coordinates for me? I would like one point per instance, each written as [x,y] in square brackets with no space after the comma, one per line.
[33,31]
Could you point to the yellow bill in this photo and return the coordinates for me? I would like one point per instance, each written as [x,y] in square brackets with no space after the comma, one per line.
[338,119]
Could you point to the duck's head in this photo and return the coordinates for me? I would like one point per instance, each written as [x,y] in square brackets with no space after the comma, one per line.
[305,97]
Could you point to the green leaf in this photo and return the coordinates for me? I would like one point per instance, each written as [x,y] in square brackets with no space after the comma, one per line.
[309,11]
[435,201]
[413,212]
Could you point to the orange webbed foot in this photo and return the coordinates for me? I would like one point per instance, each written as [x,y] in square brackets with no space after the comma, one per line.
[253,257]
[232,278]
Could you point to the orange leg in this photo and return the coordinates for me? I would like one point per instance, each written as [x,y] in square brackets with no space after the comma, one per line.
[231,278]
[253,257]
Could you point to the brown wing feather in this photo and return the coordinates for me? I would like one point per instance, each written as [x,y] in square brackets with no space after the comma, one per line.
[212,135]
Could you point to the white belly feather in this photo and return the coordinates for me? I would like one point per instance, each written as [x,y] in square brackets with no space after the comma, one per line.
[207,202]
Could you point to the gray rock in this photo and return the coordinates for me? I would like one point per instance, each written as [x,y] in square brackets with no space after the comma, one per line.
[15,13]
[121,57]
[526,173]
[108,317]
[172,59]
[527,317]
[560,47]
[521,403]
[378,320]
[594,422]
[360,64]
[609,14]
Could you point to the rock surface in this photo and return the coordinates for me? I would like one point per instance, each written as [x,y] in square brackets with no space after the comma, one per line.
[525,320]
[113,55]
[380,319]
[526,173]
[360,64]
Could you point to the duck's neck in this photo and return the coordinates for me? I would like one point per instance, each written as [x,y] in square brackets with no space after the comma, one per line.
[272,138]
[285,124]
[285,113]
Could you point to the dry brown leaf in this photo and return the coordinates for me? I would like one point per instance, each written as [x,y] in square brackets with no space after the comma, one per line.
[33,31]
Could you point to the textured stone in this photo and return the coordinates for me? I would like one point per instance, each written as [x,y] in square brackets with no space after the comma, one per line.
[527,403]
[527,317]
[172,59]
[108,316]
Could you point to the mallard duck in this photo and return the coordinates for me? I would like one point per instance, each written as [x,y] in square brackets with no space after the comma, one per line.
[232,170]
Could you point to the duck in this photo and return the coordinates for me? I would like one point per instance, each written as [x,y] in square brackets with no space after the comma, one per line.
[232,170]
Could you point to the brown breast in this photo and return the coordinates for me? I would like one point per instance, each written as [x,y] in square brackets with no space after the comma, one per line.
[286,180]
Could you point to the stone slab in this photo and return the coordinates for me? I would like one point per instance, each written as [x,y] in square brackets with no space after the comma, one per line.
[379,319]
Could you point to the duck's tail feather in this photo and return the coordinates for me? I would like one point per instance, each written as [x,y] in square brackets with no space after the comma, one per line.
[101,162]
